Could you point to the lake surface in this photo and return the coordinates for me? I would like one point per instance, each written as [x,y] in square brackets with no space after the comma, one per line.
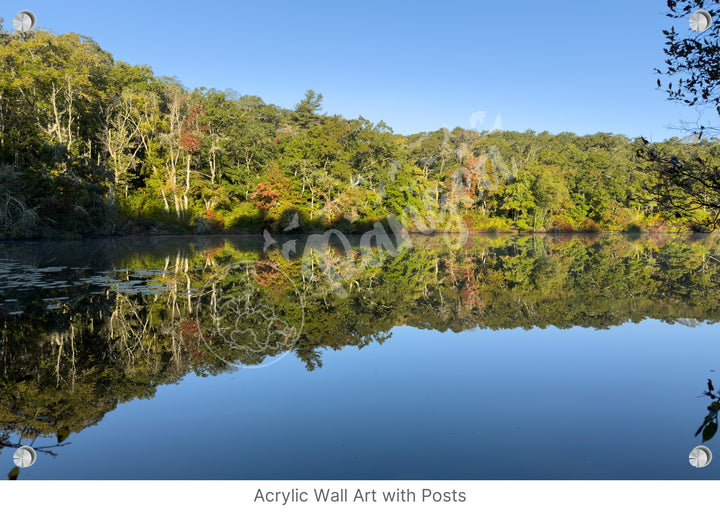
[530,357]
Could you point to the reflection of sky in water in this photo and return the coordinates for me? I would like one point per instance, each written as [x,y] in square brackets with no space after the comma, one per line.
[619,404]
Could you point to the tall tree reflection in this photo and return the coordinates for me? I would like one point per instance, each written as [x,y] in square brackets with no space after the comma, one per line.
[75,343]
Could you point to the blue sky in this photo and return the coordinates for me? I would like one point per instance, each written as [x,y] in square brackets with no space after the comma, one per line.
[558,66]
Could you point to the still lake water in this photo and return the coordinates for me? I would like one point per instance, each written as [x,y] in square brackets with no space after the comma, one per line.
[558,357]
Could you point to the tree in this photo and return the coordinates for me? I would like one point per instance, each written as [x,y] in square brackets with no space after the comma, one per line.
[550,193]
[51,89]
[307,111]
[518,200]
[127,121]
[688,180]
[311,103]
[693,62]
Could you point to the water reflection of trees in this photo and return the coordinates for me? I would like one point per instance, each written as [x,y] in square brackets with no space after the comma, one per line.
[6,442]
[63,370]
[709,426]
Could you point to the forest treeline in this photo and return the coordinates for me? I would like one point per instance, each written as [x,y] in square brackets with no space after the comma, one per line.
[94,146]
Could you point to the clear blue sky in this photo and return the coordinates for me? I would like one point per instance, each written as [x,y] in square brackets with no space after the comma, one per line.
[544,65]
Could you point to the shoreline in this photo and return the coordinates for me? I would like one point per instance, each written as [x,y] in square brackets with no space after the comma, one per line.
[245,233]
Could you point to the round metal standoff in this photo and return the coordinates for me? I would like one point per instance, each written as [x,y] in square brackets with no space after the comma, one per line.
[24,21]
[700,457]
[700,21]
[24,457]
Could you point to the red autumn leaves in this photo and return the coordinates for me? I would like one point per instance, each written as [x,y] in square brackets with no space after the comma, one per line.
[190,139]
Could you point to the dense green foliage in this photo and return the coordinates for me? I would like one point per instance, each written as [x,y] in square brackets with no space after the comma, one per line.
[62,369]
[90,145]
